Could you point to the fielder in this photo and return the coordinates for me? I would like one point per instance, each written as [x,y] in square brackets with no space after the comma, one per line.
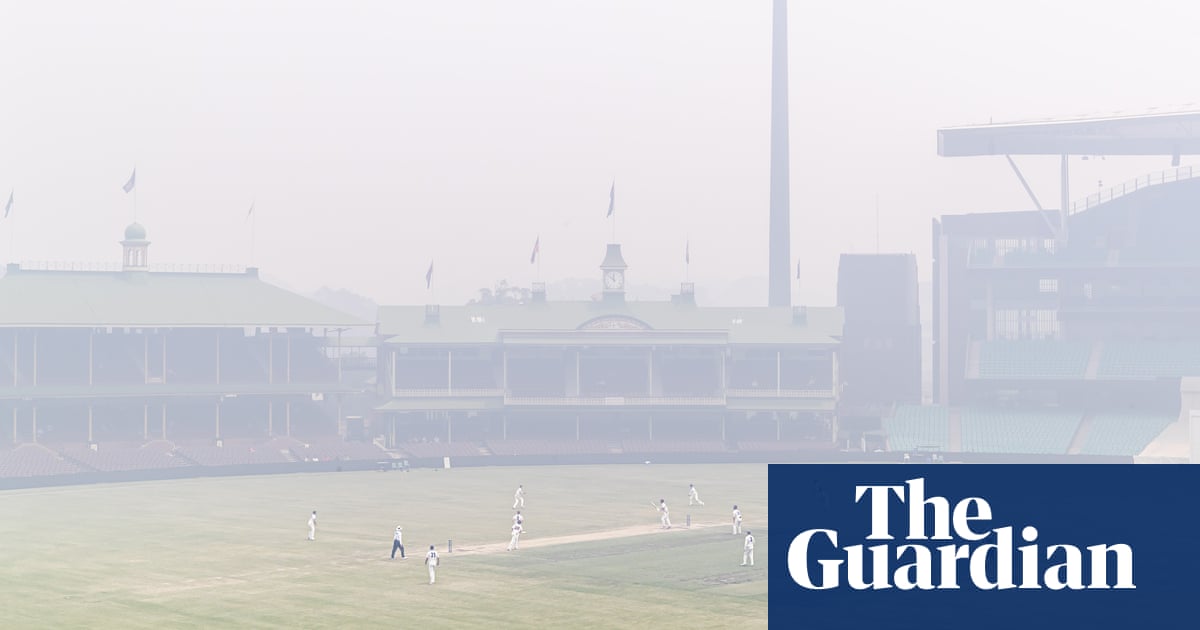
[518,519]
[737,521]
[666,514]
[312,526]
[693,496]
[519,497]
[431,561]
[517,530]
[398,542]
[748,549]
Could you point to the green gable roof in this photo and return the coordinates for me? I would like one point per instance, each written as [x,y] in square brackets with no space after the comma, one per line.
[36,298]
[475,324]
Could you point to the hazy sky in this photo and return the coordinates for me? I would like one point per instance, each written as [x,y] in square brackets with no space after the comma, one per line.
[374,136]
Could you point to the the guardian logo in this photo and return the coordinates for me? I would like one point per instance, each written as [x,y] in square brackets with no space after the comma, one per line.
[974,551]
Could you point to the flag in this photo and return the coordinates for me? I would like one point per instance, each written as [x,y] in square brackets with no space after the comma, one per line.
[429,276]
[251,213]
[612,193]
[537,247]
[8,206]
[132,181]
[687,253]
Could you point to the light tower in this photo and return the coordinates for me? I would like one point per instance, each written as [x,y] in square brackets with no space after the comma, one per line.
[779,250]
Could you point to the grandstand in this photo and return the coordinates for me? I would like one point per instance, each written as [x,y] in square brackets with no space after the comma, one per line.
[131,368]
[1068,331]
[607,376]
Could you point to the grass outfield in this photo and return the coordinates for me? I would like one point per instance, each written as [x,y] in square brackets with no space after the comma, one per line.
[228,552]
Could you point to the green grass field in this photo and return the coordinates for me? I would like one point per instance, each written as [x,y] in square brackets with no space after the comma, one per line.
[231,552]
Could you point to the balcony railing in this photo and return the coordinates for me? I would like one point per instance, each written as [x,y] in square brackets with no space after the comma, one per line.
[1145,181]
[446,392]
[779,393]
[615,401]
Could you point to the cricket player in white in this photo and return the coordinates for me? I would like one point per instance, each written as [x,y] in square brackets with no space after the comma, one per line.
[737,521]
[431,561]
[398,542]
[518,519]
[519,497]
[748,549]
[517,530]
[312,526]
[666,514]
[693,496]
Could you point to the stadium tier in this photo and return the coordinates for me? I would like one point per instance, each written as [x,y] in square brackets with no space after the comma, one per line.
[914,427]
[1149,359]
[1027,432]
[1030,359]
[1123,434]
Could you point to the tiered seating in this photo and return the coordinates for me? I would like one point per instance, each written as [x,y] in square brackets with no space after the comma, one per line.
[673,446]
[126,456]
[1150,359]
[335,448]
[914,426]
[997,431]
[547,447]
[1123,434]
[232,452]
[34,460]
[440,449]
[1033,359]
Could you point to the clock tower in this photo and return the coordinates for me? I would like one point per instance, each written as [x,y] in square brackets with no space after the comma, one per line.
[613,274]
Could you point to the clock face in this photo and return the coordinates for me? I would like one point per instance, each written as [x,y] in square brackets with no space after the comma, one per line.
[613,279]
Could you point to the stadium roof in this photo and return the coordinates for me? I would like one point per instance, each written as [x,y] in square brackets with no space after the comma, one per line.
[572,322]
[36,298]
[1158,133]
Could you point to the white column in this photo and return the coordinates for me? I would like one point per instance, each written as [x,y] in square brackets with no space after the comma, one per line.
[287,416]
[218,358]
[339,358]
[650,373]
[164,420]
[778,372]
[270,418]
[145,421]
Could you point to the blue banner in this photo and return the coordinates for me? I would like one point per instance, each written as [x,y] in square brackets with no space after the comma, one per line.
[1017,547]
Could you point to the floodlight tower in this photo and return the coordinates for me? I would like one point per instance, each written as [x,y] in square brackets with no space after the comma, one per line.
[779,244]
